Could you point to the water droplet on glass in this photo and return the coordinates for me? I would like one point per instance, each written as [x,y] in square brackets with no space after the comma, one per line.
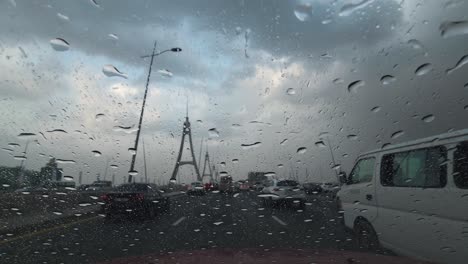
[290,91]
[96,153]
[223,173]
[320,144]
[415,44]
[336,166]
[387,79]
[99,117]
[326,21]
[235,161]
[212,133]
[453,28]
[113,36]
[350,8]
[338,81]
[397,134]
[57,131]
[59,44]
[27,135]
[352,137]
[238,30]
[165,73]
[270,174]
[20,157]
[353,87]
[111,71]
[199,121]
[280,165]
[95,3]
[64,161]
[252,145]
[58,213]
[375,109]
[132,151]
[114,166]
[428,118]
[283,142]
[462,61]
[63,17]
[423,69]
[68,178]
[303,12]
[133,173]
[218,223]
[301,150]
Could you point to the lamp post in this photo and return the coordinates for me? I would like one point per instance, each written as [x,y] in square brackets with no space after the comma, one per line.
[132,171]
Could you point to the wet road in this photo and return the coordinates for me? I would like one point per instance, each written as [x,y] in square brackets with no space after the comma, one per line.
[194,222]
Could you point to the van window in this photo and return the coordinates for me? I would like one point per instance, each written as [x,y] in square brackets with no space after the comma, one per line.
[416,168]
[460,165]
[362,171]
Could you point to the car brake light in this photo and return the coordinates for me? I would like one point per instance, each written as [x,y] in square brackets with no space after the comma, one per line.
[139,197]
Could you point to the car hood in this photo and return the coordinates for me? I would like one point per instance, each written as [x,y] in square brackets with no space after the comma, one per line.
[260,256]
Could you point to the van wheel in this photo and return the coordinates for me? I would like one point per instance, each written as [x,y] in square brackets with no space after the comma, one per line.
[366,237]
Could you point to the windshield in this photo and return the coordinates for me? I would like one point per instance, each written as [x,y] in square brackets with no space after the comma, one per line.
[141,131]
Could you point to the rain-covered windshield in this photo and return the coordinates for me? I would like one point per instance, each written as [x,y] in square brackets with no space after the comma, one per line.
[233,131]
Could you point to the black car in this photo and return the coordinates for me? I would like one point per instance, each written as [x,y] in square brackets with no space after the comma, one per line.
[312,188]
[135,199]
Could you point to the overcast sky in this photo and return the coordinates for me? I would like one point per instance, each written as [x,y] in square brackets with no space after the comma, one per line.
[240,60]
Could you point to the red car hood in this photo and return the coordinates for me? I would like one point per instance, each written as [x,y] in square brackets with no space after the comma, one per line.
[260,256]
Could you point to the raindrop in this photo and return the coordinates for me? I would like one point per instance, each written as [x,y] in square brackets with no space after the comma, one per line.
[58,213]
[270,174]
[350,8]
[301,150]
[326,21]
[84,204]
[353,87]
[280,165]
[113,36]
[423,69]
[303,12]
[99,117]
[7,149]
[5,185]
[63,17]
[252,145]
[94,2]
[218,223]
[290,91]
[19,157]
[375,109]
[165,73]
[57,131]
[223,164]
[59,44]
[397,134]
[462,61]
[111,71]
[133,173]
[453,28]
[223,173]
[132,151]
[415,44]
[320,144]
[68,178]
[428,118]
[27,135]
[386,145]
[64,161]
[338,81]
[235,195]
[336,167]
[284,141]
[212,133]
[387,79]
[96,153]
[199,121]
[127,130]
[235,161]
[352,137]
[114,166]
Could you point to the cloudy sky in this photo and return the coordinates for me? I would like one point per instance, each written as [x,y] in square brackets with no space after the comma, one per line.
[275,72]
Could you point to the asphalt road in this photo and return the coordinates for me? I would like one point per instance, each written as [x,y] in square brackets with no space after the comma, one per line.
[194,222]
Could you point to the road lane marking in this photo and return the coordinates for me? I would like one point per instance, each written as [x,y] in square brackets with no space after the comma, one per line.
[178,221]
[43,231]
[278,220]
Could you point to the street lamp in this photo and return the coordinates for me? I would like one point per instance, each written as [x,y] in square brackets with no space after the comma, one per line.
[132,171]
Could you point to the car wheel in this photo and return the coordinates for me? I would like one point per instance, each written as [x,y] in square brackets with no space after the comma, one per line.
[366,237]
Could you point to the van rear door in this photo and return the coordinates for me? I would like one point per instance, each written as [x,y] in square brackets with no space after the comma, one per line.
[358,196]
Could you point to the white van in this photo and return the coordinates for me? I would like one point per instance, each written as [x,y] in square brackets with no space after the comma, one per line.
[411,198]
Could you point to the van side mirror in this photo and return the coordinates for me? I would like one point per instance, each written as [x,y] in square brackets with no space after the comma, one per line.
[343,178]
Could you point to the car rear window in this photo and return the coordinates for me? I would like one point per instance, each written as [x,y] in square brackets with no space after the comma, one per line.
[132,188]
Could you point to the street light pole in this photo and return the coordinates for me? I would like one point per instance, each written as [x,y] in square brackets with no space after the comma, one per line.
[132,171]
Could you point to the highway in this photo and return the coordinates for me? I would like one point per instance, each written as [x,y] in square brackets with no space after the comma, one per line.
[194,222]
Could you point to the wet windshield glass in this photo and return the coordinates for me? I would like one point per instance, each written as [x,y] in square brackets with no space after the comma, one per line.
[245,131]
